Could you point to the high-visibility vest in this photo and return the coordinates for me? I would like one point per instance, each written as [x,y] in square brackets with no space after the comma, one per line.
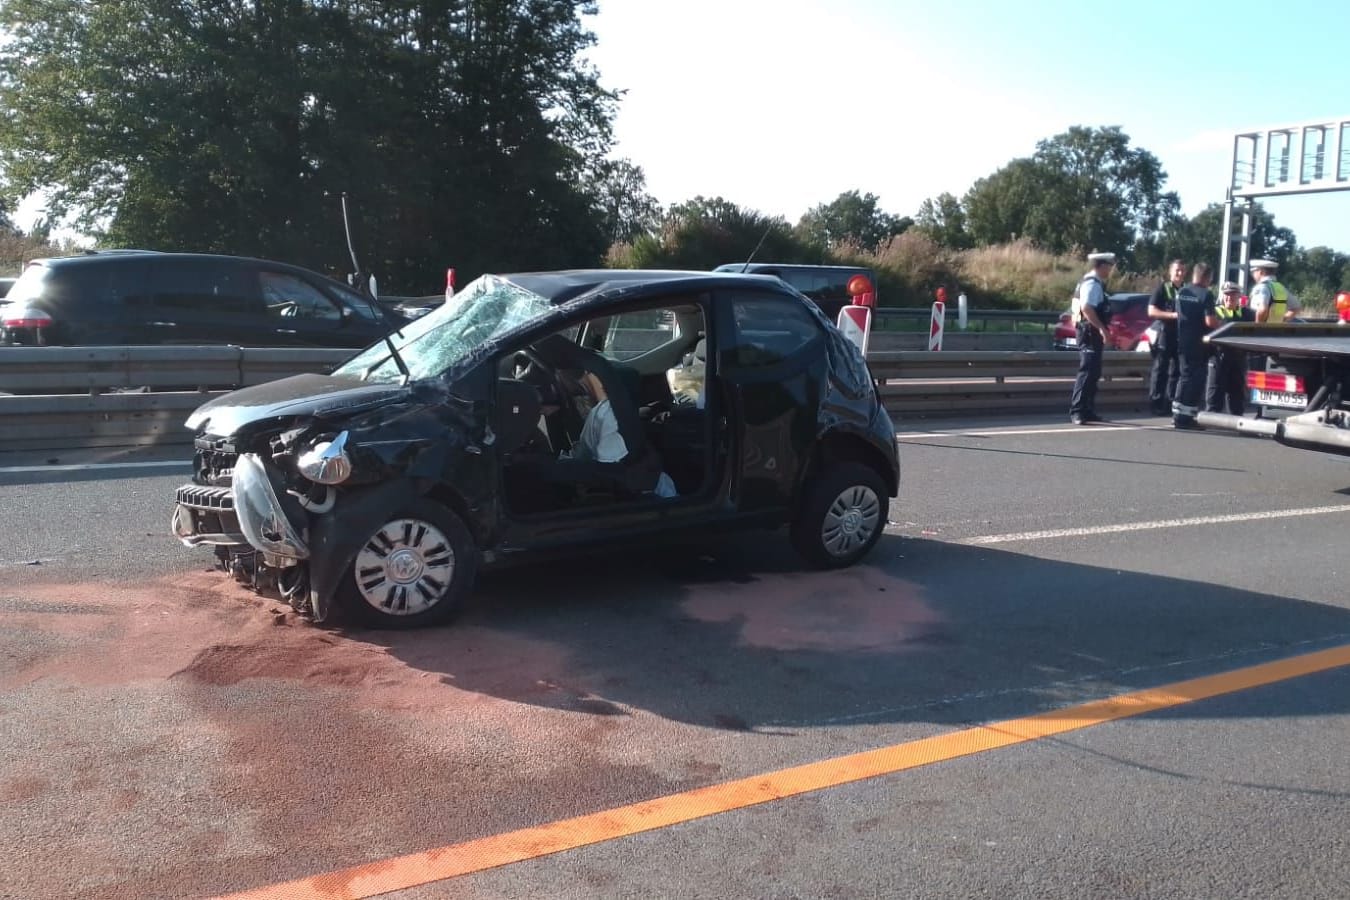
[1224,312]
[1279,300]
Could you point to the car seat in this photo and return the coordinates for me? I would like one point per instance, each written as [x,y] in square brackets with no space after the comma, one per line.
[640,469]
[517,414]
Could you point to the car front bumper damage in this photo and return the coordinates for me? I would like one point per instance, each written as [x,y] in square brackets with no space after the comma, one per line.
[252,511]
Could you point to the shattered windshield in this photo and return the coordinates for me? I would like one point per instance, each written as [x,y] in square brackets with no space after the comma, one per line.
[485,310]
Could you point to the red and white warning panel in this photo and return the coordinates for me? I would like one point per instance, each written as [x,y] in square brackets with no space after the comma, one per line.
[856,324]
[935,328]
[856,321]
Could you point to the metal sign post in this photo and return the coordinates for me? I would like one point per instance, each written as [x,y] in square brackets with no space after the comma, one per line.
[1305,158]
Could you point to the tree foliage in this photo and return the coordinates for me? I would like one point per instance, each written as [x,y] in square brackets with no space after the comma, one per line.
[943,221]
[1084,189]
[1316,274]
[1200,238]
[851,218]
[706,232]
[468,132]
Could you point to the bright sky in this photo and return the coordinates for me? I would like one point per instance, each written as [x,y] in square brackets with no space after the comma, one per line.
[779,105]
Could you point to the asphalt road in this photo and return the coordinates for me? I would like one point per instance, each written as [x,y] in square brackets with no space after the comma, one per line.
[164,733]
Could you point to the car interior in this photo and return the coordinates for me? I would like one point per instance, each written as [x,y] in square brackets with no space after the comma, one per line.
[650,365]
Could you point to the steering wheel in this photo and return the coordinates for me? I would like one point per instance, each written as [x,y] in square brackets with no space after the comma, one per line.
[532,367]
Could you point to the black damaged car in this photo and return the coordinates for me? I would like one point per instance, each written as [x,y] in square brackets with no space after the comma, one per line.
[543,412]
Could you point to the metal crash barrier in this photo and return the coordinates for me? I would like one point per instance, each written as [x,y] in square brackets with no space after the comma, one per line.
[994,382]
[62,398]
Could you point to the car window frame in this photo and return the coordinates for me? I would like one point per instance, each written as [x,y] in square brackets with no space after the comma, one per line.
[790,363]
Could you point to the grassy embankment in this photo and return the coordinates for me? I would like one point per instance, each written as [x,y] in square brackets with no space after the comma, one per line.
[1006,276]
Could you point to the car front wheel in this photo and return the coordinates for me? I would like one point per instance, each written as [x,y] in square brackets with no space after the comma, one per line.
[842,516]
[415,569]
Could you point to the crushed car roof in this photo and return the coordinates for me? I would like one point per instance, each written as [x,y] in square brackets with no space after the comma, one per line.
[563,287]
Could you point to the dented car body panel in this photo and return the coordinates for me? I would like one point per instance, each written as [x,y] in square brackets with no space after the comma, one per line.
[325,462]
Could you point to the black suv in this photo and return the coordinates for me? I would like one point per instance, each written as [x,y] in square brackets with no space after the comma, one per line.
[827,286]
[537,412]
[143,297]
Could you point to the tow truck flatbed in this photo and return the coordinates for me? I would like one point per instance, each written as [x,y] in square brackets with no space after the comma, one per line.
[1303,341]
[1318,354]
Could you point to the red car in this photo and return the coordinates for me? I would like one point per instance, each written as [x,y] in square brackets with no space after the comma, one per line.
[1128,329]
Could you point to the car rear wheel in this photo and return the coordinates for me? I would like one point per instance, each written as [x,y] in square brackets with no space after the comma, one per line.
[842,516]
[415,569]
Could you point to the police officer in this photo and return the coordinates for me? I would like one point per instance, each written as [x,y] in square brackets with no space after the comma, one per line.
[1271,300]
[1195,317]
[1162,308]
[1228,367]
[1093,313]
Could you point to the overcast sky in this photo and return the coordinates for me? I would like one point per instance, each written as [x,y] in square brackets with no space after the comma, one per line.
[779,105]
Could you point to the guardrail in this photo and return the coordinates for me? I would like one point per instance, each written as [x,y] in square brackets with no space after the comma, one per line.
[63,370]
[68,397]
[924,383]
[1045,317]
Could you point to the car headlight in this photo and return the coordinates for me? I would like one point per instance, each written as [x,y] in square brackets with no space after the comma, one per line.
[326,462]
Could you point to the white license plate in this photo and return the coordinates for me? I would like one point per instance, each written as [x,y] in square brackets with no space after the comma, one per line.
[1279,398]
[1070,342]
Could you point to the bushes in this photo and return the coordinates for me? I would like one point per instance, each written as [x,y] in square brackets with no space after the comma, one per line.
[1017,275]
[910,267]
[1020,270]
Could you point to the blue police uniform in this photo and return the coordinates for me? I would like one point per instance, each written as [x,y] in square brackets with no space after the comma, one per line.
[1166,370]
[1194,304]
[1228,369]
[1083,402]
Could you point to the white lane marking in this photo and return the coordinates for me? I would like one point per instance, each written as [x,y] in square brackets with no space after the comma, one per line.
[96,467]
[1104,428]
[34,562]
[1149,526]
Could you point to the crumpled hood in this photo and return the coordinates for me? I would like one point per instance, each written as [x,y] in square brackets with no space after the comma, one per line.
[299,395]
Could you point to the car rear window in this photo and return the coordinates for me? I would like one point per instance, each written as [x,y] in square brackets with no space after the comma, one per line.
[816,282]
[30,285]
[81,285]
[820,285]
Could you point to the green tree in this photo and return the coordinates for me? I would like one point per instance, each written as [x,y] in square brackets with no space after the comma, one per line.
[851,218]
[1200,238]
[468,133]
[625,206]
[706,232]
[1317,273]
[999,207]
[943,221]
[1084,189]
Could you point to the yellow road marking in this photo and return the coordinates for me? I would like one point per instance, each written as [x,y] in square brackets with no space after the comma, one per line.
[398,873]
